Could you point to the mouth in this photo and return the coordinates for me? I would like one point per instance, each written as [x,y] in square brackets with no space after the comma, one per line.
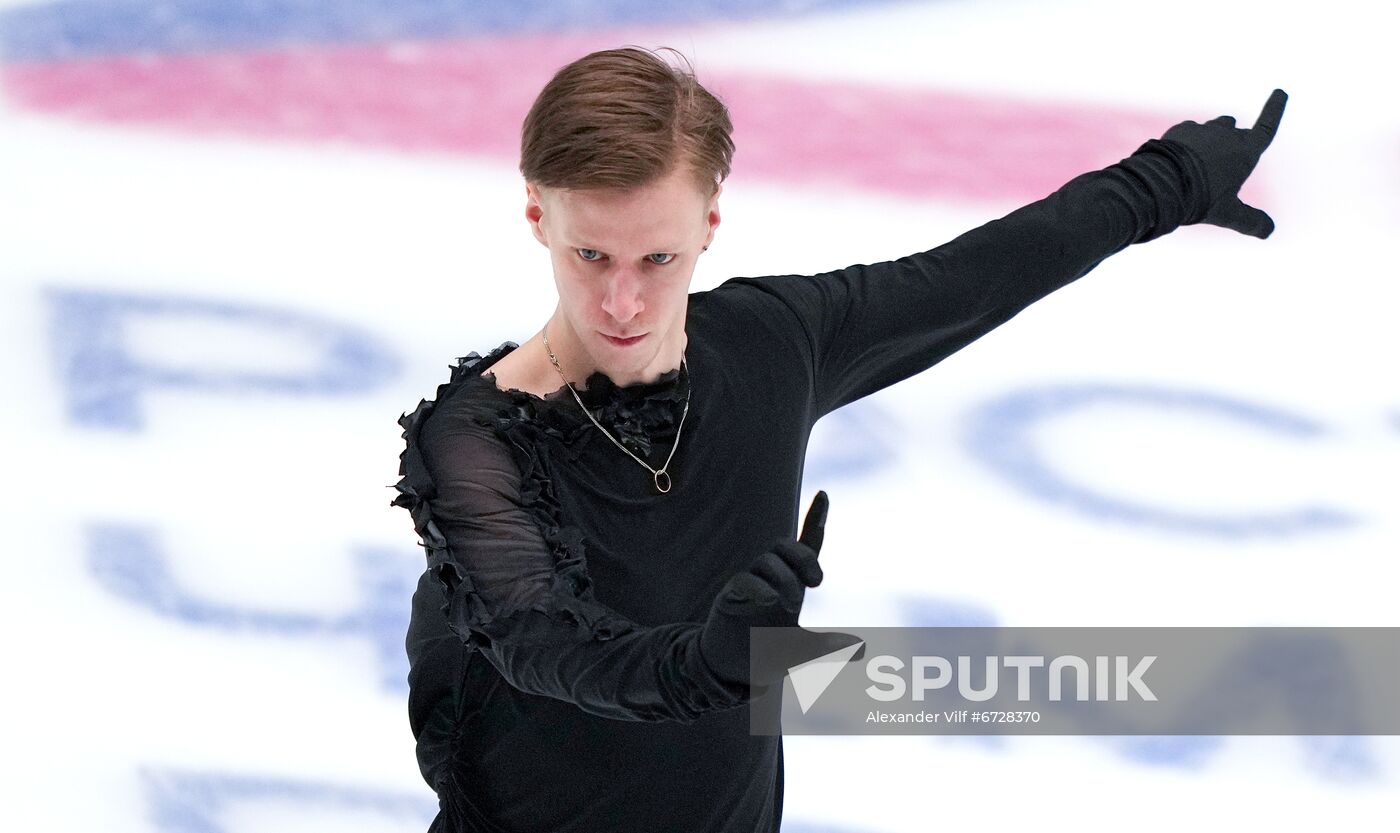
[624,342]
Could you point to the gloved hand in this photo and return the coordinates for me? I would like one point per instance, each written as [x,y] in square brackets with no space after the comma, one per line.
[1229,154]
[770,594]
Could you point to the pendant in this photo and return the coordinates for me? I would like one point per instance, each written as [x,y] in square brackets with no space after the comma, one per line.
[663,481]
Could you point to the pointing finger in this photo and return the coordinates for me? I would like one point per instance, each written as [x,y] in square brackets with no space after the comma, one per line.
[1267,123]
[814,526]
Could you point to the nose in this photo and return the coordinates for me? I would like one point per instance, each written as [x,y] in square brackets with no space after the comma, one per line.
[623,299]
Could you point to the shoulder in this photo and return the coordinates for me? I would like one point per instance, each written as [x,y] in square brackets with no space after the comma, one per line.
[461,411]
[756,296]
[525,368]
[740,291]
[772,309]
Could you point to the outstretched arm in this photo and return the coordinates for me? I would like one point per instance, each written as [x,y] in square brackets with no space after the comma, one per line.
[868,326]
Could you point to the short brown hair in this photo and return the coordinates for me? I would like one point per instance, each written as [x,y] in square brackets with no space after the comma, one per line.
[621,118]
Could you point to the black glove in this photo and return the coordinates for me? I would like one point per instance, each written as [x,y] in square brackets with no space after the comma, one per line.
[770,594]
[1227,155]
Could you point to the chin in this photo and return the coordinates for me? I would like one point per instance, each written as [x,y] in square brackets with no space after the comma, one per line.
[615,360]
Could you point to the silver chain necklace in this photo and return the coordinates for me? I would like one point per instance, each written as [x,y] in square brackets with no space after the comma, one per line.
[658,476]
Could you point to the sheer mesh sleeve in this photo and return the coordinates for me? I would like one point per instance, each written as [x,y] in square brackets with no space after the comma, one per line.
[865,327]
[513,583]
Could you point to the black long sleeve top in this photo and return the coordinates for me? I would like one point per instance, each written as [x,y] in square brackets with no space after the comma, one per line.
[555,680]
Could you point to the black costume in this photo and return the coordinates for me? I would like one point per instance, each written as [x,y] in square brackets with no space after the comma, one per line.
[555,683]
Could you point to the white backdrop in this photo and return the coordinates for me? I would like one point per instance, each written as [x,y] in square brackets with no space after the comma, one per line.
[229,264]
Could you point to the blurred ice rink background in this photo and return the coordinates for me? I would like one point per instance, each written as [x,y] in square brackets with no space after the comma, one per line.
[239,237]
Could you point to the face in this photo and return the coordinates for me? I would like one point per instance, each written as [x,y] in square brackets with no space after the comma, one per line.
[623,261]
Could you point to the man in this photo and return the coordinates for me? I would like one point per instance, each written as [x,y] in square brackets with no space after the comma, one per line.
[608,507]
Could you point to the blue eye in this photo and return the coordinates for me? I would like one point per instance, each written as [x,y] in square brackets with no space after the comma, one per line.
[584,253]
[669,257]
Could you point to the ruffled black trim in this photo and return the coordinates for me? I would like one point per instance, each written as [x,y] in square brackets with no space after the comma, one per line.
[416,492]
[528,424]
[639,414]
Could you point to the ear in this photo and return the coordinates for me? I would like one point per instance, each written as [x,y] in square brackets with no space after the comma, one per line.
[712,215]
[534,212]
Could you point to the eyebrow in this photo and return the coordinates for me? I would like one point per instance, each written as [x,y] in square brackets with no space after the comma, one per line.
[671,250]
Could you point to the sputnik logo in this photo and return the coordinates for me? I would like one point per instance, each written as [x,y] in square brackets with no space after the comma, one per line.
[812,677]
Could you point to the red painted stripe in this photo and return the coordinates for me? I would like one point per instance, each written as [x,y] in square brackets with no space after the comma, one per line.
[468,96]
[920,142]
